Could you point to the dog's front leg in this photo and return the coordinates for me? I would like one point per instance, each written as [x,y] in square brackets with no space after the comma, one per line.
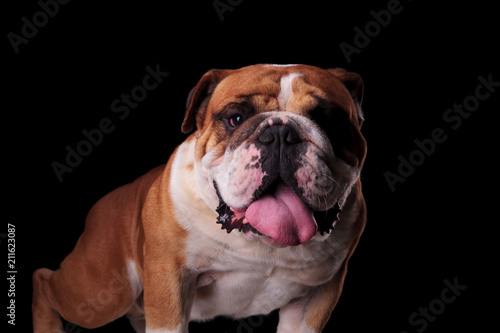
[311,313]
[169,292]
[169,288]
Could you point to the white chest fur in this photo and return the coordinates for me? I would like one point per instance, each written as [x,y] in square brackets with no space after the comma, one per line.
[241,284]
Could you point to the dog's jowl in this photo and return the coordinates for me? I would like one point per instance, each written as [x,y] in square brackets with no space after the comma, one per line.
[260,208]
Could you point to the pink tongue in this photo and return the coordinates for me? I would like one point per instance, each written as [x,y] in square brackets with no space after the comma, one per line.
[282,216]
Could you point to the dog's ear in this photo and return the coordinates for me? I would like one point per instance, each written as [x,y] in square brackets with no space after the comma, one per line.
[197,102]
[354,83]
[351,146]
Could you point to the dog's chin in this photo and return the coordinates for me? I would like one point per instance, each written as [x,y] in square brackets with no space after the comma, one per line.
[278,216]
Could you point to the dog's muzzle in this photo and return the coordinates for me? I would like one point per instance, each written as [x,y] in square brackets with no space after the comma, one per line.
[278,209]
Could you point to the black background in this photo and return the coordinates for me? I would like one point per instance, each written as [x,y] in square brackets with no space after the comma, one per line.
[438,224]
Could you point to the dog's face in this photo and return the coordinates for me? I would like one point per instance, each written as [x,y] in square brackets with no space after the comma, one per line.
[278,148]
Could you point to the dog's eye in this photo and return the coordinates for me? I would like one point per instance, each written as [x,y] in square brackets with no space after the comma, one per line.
[235,121]
[321,115]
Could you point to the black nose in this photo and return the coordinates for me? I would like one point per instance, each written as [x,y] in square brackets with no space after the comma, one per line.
[281,148]
[279,135]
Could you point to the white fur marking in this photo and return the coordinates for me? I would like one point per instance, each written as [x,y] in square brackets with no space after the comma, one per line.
[277,65]
[286,91]
[135,281]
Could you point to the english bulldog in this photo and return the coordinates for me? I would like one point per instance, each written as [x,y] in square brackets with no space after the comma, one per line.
[260,208]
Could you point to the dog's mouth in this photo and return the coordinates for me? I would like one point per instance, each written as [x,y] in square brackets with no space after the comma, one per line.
[279,213]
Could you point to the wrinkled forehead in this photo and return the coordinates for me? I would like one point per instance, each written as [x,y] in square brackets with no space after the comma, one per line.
[295,88]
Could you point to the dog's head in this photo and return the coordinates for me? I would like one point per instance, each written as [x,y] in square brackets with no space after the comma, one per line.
[278,147]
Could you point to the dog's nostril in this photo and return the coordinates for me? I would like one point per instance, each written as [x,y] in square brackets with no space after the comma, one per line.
[284,134]
[266,137]
[292,136]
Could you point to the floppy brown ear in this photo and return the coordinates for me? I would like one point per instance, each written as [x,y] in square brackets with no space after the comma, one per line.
[353,83]
[197,102]
[354,149]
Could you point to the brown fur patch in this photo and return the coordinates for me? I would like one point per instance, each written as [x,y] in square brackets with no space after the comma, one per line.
[262,103]
[164,267]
